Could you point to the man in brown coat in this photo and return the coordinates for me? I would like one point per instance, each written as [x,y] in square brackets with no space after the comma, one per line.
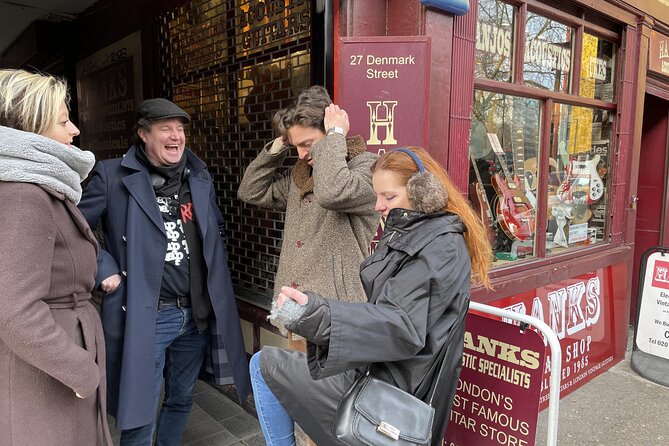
[327,196]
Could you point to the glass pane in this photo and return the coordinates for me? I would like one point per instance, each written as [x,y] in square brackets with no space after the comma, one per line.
[598,67]
[494,40]
[548,50]
[504,138]
[577,194]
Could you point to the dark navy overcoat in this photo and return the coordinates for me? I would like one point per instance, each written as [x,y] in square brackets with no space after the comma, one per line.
[121,197]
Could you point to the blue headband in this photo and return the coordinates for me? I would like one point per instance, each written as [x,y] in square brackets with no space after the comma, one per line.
[414,157]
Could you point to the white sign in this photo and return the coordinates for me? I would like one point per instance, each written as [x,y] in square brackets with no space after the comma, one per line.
[652,334]
[578,233]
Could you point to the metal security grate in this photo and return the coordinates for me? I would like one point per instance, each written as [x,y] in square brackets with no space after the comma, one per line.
[231,65]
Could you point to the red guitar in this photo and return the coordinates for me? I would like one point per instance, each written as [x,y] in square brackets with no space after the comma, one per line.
[515,213]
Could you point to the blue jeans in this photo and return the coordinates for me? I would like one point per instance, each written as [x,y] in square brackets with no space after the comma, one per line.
[277,426]
[180,351]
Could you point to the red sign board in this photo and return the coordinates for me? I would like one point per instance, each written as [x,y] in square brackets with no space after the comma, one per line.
[498,391]
[582,312]
[383,84]
[658,53]
[660,271]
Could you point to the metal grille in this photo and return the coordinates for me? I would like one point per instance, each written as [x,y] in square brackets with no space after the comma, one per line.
[231,65]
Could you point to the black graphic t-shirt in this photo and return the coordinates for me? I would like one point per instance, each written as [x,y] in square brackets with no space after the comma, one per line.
[176,276]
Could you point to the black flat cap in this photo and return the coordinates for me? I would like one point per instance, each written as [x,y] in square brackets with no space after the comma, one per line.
[159,108]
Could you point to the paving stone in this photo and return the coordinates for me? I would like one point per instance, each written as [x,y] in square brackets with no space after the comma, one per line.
[242,425]
[217,405]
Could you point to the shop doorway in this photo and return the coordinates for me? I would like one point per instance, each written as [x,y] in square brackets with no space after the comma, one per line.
[652,209]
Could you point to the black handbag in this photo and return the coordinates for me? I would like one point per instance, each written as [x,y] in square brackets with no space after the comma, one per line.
[373,412]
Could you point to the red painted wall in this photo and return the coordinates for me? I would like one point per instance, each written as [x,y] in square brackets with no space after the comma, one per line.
[652,183]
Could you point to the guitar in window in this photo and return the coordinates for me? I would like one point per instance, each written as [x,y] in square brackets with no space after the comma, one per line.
[480,201]
[582,183]
[515,213]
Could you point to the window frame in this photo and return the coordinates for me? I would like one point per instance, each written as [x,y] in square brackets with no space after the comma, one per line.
[548,99]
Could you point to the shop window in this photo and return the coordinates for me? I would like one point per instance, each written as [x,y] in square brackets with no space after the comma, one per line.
[580,147]
[503,151]
[598,67]
[548,53]
[531,154]
[494,40]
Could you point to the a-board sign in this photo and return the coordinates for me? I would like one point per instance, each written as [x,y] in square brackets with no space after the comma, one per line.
[650,357]
[497,398]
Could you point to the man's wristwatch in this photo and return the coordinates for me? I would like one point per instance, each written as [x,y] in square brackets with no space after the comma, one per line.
[335,130]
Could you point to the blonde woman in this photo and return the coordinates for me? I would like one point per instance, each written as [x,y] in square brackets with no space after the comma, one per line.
[52,373]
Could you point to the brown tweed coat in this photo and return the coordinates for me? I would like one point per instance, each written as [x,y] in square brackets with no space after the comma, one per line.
[330,217]
[51,344]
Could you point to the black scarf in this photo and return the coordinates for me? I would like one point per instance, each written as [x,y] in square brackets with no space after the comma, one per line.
[173,180]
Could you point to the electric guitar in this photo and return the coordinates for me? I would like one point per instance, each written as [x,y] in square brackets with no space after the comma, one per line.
[515,213]
[582,183]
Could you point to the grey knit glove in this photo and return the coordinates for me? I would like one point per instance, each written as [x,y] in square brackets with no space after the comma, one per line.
[288,313]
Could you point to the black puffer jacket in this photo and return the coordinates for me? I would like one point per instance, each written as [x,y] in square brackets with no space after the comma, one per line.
[418,284]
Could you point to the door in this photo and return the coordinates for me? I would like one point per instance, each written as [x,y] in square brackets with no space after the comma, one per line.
[652,189]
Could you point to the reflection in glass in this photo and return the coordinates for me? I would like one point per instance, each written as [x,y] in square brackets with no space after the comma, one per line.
[494,40]
[577,202]
[598,66]
[264,88]
[504,140]
[196,36]
[548,50]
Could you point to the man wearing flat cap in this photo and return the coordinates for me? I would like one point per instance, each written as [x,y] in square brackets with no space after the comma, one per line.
[169,309]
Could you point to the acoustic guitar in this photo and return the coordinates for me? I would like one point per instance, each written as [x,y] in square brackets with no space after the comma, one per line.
[480,201]
[531,180]
[515,213]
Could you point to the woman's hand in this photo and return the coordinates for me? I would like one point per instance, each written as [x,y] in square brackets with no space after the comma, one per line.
[336,117]
[291,293]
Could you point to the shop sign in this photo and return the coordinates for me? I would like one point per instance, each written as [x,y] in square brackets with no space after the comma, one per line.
[658,53]
[652,335]
[581,312]
[383,84]
[497,40]
[108,89]
[497,396]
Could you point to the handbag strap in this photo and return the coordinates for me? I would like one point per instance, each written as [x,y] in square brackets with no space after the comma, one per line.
[441,369]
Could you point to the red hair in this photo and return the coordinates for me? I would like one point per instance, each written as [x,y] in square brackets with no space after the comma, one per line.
[476,239]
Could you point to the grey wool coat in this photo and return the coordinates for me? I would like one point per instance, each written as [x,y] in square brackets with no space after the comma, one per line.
[330,217]
[418,285]
[51,343]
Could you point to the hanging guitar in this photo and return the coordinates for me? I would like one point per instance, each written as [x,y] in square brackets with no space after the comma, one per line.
[515,213]
[583,183]
[480,201]
[531,183]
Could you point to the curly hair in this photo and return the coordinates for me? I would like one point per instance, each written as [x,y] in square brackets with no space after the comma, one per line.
[31,101]
[308,111]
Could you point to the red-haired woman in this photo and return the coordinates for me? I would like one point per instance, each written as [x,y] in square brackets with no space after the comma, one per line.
[417,284]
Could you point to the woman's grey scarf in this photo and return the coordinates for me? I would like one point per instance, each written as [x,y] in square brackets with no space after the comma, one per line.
[27,157]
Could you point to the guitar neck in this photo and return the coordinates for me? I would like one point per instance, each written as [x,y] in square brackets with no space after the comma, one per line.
[518,151]
[505,169]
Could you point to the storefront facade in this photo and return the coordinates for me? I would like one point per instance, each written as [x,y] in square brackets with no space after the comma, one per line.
[541,131]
